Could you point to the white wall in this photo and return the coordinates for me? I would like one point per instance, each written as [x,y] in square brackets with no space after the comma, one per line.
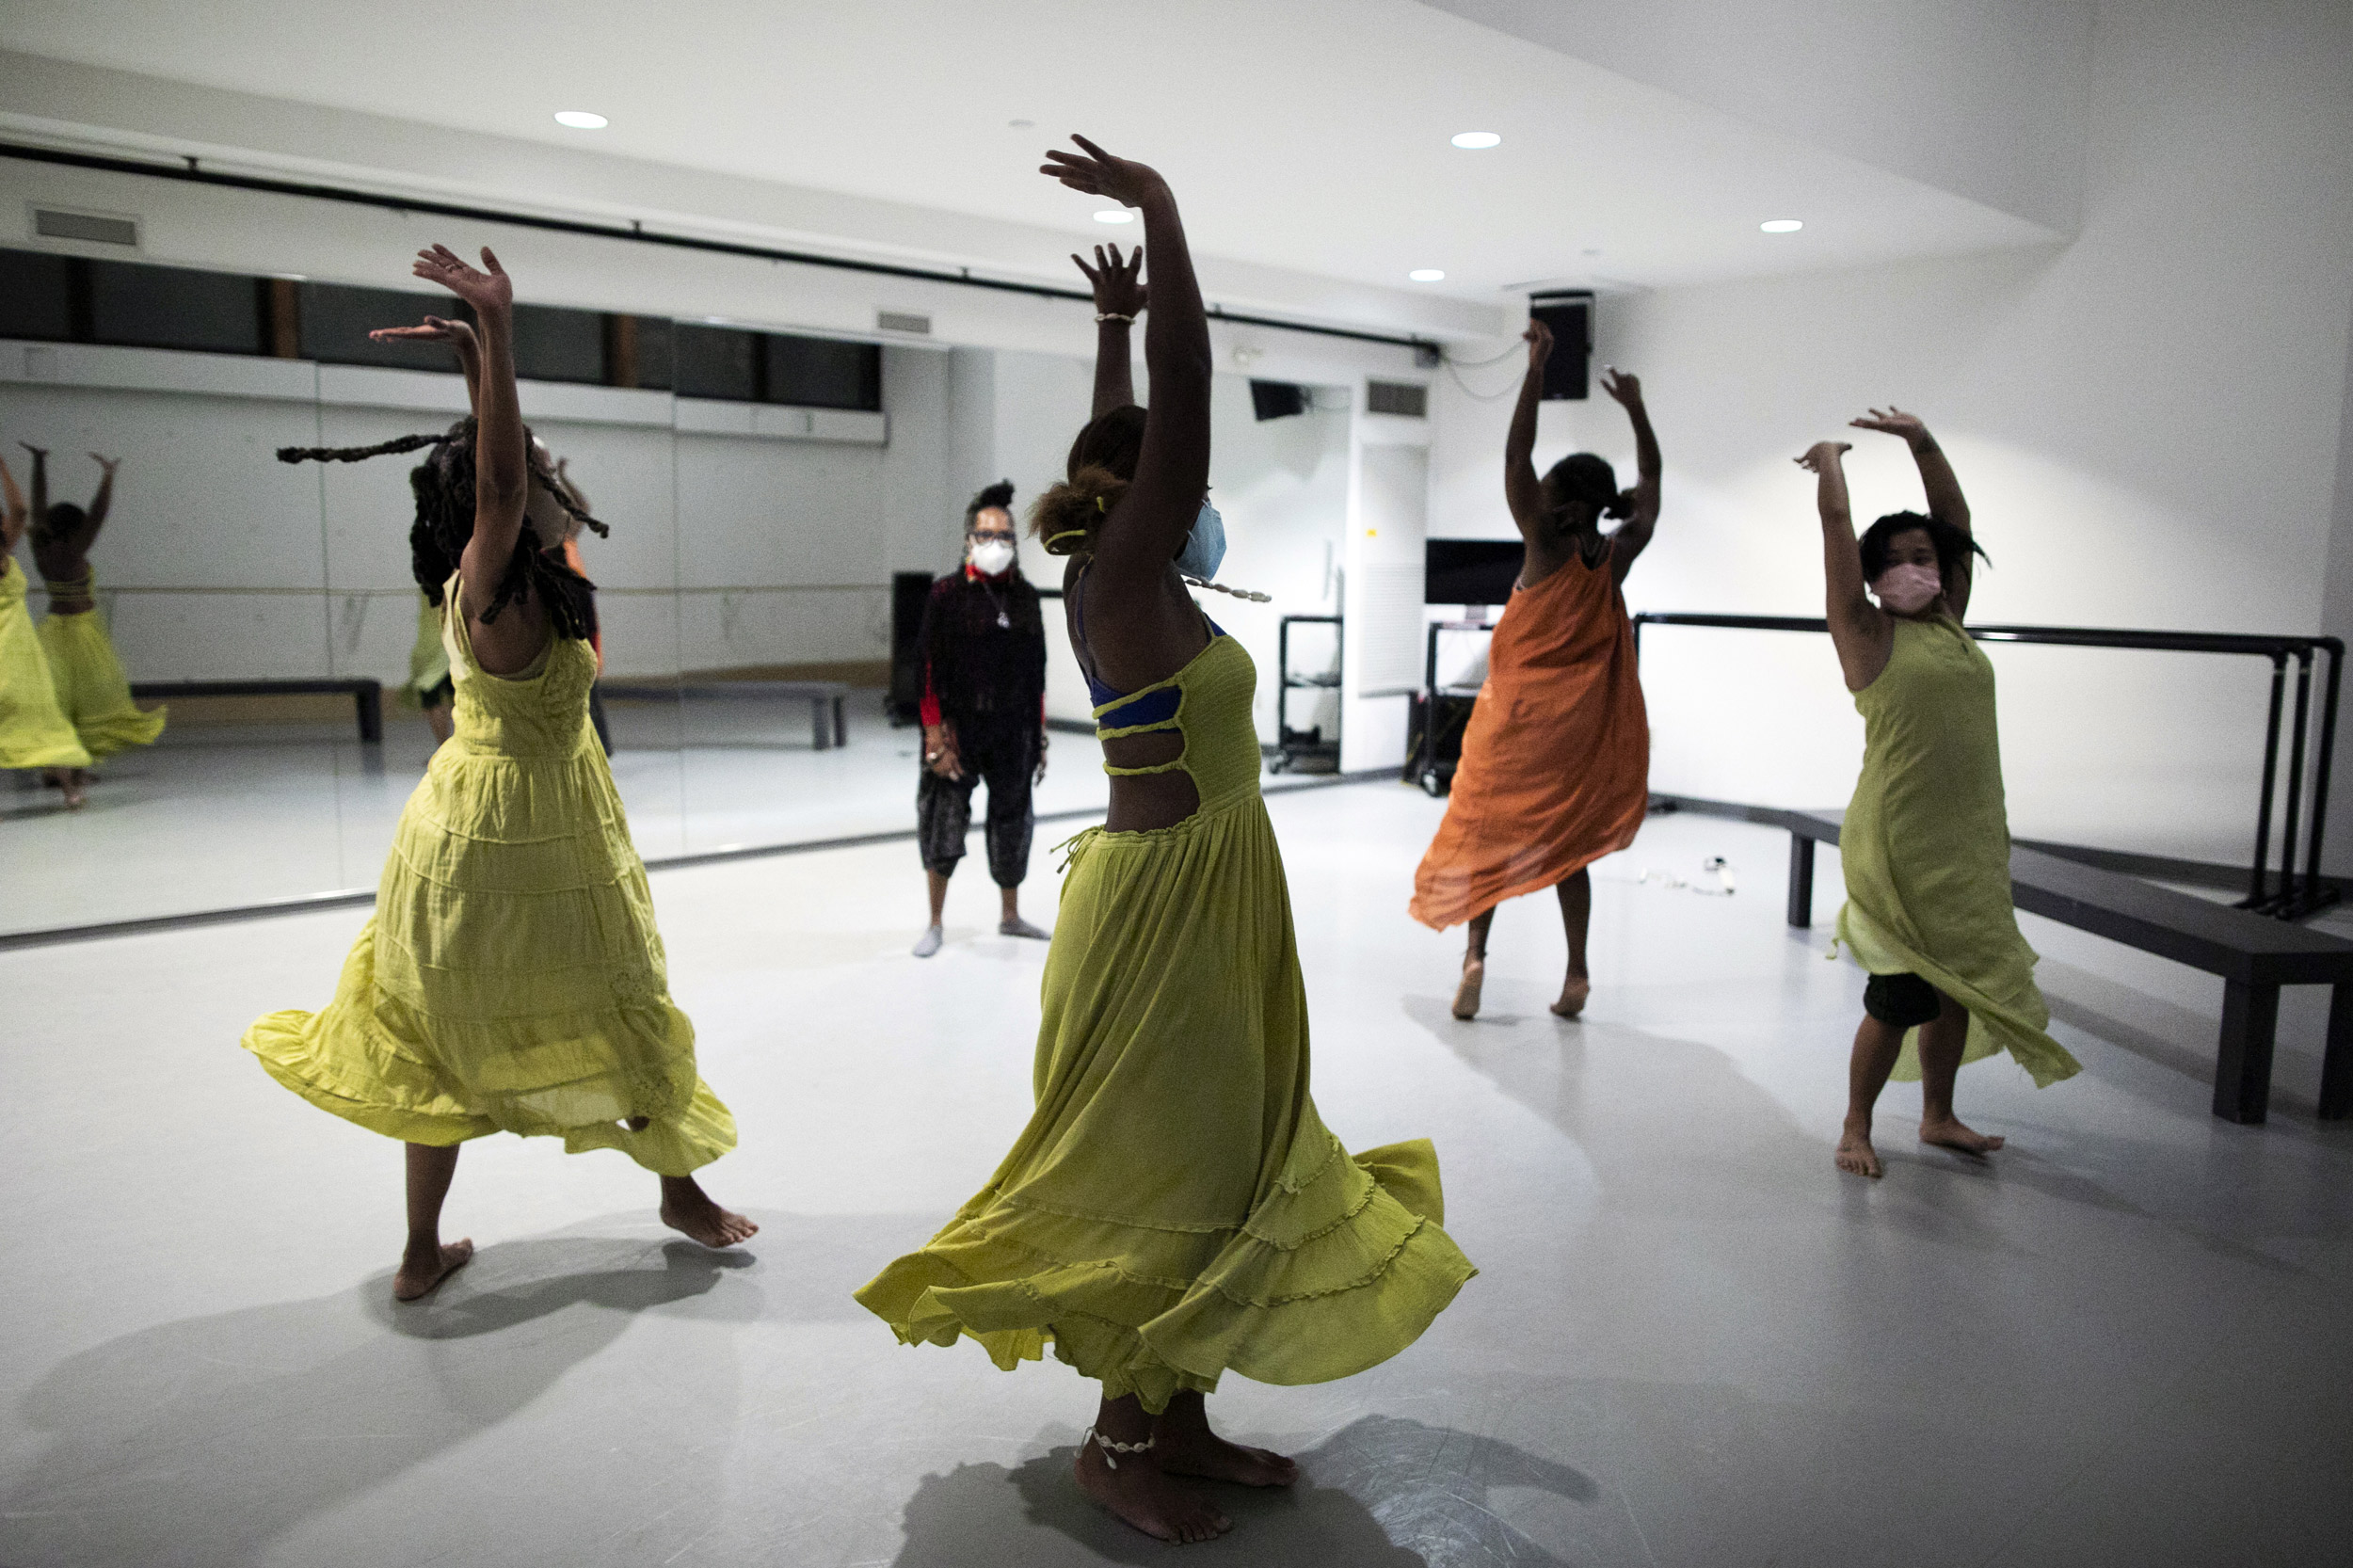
[2147,420]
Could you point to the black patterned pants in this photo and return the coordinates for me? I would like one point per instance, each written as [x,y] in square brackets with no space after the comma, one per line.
[1005,758]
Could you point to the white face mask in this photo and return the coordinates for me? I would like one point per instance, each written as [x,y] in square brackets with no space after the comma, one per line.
[1907,589]
[991,556]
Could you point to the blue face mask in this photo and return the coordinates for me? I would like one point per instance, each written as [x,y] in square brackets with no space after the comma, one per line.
[1204,547]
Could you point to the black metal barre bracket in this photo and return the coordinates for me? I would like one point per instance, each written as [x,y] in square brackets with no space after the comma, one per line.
[2294,898]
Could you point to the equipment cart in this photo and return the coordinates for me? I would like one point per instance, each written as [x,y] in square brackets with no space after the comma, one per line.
[1305,750]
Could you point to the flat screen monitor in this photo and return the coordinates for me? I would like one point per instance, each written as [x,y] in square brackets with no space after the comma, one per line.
[1469,571]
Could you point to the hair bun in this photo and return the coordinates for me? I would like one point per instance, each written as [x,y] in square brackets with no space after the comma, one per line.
[1622,506]
[999,495]
[1065,519]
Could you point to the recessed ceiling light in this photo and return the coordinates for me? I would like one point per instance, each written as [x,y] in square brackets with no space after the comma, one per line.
[1476,139]
[1020,124]
[1427,275]
[1114,214]
[1781,226]
[581,119]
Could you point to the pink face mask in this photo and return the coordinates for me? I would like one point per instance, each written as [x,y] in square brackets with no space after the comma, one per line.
[1907,589]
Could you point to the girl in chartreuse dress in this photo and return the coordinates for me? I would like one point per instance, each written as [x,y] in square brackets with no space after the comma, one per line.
[511,978]
[1925,840]
[1175,1209]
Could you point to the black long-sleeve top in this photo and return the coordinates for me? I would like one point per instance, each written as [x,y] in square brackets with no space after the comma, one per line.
[974,670]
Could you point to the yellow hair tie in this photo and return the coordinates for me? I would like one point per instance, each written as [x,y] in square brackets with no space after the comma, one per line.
[1053,539]
[1100,507]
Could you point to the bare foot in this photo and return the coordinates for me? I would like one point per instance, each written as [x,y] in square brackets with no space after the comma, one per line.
[1199,1452]
[688,1209]
[1856,1157]
[421,1275]
[1467,993]
[1948,1132]
[1141,1495]
[1573,991]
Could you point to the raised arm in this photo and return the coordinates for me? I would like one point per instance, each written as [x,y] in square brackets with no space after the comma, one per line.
[96,517]
[460,336]
[1859,629]
[41,482]
[1945,502]
[1522,492]
[1136,545]
[502,470]
[1119,298]
[1633,535]
[12,518]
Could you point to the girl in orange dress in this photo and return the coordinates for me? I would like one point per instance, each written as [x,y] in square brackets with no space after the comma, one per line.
[1556,761]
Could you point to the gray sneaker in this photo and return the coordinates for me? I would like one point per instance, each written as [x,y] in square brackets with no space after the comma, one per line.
[929,942]
[1019,927]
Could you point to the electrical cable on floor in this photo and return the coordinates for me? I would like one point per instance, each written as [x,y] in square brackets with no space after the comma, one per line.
[1715,866]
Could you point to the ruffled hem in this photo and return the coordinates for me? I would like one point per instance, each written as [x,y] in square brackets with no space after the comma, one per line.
[2015,1024]
[1325,1279]
[676,1141]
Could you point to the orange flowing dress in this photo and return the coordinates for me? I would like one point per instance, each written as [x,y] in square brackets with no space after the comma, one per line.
[1556,761]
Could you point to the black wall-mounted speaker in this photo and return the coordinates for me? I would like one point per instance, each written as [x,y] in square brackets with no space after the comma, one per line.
[1570,314]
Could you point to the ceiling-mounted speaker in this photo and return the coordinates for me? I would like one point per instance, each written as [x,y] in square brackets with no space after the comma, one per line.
[1570,314]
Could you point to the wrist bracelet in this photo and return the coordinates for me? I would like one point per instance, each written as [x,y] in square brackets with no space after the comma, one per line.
[1114,315]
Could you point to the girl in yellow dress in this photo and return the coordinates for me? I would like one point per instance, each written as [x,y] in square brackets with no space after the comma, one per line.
[1175,1208]
[511,978]
[1925,840]
[34,733]
[92,689]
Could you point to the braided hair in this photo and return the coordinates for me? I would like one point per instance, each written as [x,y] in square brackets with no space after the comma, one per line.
[443,486]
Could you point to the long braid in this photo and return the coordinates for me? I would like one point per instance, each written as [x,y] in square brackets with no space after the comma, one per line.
[443,486]
[354,454]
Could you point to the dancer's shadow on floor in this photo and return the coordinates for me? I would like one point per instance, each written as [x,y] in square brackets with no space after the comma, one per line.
[205,1440]
[1381,1492]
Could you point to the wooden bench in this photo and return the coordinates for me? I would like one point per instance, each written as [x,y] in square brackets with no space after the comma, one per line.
[367,697]
[2254,954]
[824,697]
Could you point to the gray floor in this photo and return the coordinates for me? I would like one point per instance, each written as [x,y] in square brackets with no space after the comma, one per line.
[2124,1340]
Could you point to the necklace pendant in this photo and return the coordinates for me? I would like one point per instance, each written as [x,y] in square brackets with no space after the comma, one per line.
[1004,621]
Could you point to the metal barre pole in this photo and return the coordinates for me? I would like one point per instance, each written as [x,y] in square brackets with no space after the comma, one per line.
[2296,775]
[2320,770]
[2260,885]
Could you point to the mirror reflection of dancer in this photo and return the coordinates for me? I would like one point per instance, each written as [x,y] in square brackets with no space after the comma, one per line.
[983,643]
[92,689]
[511,978]
[1175,1208]
[34,730]
[1555,771]
[1925,840]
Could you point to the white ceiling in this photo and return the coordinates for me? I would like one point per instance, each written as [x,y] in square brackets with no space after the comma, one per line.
[1308,136]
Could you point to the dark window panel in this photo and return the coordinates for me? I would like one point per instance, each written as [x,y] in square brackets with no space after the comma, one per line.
[169,307]
[554,344]
[35,295]
[655,353]
[824,372]
[336,320]
[715,361]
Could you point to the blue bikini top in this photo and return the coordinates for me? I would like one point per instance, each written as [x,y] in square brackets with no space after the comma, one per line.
[1114,711]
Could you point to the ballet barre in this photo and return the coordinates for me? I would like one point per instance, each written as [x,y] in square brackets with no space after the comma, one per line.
[824,699]
[367,697]
[2293,897]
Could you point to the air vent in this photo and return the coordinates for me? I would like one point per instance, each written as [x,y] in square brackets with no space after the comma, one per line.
[1397,397]
[902,321]
[57,223]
